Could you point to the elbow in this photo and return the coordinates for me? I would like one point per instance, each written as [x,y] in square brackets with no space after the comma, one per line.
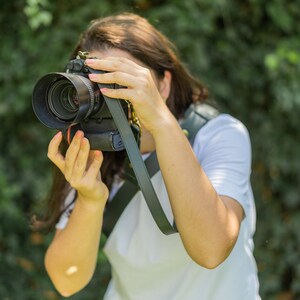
[67,283]
[209,263]
[210,259]
[67,291]
[64,292]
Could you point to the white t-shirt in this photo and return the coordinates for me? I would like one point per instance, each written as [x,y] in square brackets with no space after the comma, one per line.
[148,265]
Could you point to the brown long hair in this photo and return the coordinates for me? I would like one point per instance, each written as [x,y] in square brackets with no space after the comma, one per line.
[135,35]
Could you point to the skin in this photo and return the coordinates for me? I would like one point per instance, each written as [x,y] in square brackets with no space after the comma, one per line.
[208,224]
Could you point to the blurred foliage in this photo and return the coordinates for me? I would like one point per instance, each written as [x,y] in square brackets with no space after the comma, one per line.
[247,53]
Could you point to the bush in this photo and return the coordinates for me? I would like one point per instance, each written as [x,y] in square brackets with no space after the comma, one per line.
[247,53]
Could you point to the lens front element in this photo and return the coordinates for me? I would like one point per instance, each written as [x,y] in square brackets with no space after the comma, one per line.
[63,100]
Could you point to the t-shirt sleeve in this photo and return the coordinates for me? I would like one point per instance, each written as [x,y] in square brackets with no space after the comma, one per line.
[223,149]
[67,210]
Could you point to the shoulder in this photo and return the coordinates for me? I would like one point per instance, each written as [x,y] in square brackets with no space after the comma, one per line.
[223,123]
[223,132]
[223,149]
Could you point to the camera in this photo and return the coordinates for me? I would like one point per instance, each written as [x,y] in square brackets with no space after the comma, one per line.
[69,102]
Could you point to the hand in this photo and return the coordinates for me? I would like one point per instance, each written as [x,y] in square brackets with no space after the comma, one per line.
[80,167]
[141,89]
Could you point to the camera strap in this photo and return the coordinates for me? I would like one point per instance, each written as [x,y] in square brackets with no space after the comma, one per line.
[196,116]
[139,168]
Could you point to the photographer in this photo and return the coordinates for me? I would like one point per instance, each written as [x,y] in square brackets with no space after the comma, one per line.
[206,188]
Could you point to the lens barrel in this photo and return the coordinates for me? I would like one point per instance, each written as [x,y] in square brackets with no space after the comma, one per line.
[62,99]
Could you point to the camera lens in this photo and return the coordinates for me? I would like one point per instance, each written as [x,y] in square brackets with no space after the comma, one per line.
[63,100]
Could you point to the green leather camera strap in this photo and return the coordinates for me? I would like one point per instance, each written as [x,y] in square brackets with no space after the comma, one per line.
[139,168]
[195,117]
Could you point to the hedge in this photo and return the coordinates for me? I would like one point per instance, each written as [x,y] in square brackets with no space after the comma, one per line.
[246,52]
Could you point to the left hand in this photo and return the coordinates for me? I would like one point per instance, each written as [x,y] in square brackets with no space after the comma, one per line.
[141,89]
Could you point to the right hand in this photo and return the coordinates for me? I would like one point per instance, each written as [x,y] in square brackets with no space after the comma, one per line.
[80,166]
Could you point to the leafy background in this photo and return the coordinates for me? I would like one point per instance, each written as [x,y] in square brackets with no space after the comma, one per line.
[247,53]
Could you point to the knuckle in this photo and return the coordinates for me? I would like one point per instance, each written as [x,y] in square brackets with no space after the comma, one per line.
[114,75]
[52,158]
[49,150]
[145,72]
[49,155]
[115,64]
[121,60]
[144,83]
[139,93]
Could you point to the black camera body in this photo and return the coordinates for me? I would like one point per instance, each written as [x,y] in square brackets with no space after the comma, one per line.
[69,102]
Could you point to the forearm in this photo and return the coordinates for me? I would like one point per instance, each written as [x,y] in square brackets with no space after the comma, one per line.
[71,258]
[208,228]
[72,255]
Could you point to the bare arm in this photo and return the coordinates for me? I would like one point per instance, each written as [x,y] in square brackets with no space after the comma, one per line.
[208,223]
[71,258]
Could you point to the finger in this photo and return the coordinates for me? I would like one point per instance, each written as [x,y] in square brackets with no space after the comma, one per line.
[94,169]
[124,94]
[121,78]
[80,164]
[114,64]
[53,151]
[72,154]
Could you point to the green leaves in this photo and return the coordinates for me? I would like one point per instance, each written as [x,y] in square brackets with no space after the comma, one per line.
[36,12]
[279,12]
[246,52]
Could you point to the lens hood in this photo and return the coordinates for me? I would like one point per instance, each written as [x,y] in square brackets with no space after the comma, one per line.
[43,100]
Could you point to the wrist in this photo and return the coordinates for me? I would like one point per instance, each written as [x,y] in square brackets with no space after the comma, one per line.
[91,202]
[164,125]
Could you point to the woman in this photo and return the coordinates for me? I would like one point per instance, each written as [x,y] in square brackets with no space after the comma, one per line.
[206,188]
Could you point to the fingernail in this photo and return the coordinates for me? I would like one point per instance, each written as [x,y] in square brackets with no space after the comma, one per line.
[58,134]
[104,90]
[92,76]
[90,61]
[84,141]
[79,134]
[97,154]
